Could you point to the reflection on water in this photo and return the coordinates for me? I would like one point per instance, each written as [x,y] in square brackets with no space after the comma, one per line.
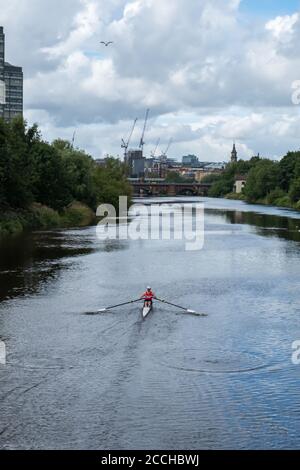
[29,261]
[173,381]
[265,224]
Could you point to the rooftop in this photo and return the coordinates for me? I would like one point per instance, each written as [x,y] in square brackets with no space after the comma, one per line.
[13,67]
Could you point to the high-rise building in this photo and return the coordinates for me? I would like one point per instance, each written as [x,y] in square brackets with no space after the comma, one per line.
[2,85]
[190,160]
[136,163]
[11,85]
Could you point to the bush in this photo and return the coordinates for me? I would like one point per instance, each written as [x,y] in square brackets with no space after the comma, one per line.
[262,179]
[277,193]
[294,192]
[283,202]
[236,196]
[297,206]
[10,227]
[77,215]
[44,217]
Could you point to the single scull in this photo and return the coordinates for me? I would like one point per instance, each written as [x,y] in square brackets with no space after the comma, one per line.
[147,310]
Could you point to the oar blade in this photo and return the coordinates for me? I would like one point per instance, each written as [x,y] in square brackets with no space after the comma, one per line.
[198,314]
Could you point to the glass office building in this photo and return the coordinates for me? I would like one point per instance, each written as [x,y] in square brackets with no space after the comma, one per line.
[11,85]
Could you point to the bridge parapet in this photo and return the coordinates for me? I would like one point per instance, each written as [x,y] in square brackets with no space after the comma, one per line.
[142,188]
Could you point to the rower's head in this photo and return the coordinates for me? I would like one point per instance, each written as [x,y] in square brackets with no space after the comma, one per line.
[148,288]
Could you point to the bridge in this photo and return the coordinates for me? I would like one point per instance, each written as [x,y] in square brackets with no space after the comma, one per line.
[142,188]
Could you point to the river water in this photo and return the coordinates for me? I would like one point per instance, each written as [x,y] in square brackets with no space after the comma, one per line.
[113,381]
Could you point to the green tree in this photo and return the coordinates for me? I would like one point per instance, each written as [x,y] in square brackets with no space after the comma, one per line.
[262,179]
[3,162]
[18,172]
[224,184]
[289,169]
[294,192]
[50,177]
[174,177]
[79,169]
[111,182]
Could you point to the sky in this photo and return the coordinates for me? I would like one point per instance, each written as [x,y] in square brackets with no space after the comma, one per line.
[210,71]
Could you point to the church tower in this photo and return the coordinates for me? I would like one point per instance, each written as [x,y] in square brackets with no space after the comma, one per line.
[234,154]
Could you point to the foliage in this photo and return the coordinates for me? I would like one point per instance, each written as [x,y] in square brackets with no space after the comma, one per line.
[174,177]
[210,178]
[224,183]
[274,195]
[110,181]
[268,182]
[294,191]
[262,179]
[289,169]
[53,175]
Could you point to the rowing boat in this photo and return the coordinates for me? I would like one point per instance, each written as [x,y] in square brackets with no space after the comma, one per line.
[146,310]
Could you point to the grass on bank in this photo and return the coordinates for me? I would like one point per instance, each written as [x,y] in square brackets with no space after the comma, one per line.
[40,217]
[272,199]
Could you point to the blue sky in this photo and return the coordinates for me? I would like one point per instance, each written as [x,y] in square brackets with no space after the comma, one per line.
[270,7]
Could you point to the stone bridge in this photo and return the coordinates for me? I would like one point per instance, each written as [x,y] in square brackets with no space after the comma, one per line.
[141,188]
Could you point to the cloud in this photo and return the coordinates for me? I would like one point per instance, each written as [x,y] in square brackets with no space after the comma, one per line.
[199,59]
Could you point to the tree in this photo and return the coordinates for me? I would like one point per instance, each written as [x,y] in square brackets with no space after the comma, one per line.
[3,162]
[111,182]
[262,179]
[289,169]
[50,177]
[18,172]
[224,183]
[174,177]
[294,192]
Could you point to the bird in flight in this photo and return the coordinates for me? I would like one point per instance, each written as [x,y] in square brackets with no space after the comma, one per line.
[106,43]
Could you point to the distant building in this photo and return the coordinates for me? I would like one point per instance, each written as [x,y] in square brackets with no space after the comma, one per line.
[234,158]
[11,85]
[190,160]
[239,184]
[201,174]
[136,163]
[211,166]
[100,161]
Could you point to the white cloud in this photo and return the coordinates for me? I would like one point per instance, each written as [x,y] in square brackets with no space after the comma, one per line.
[207,76]
[282,27]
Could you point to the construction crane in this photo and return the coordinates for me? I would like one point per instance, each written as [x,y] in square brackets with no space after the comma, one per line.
[142,143]
[155,150]
[73,139]
[168,147]
[125,145]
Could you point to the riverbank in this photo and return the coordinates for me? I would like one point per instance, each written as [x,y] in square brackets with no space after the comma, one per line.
[40,217]
[281,202]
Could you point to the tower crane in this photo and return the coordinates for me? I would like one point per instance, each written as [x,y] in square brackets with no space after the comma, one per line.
[168,147]
[125,145]
[73,139]
[155,150]
[142,143]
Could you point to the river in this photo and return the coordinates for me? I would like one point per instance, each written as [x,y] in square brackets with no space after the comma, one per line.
[174,381]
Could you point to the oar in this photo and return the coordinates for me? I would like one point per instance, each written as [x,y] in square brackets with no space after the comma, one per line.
[118,305]
[183,308]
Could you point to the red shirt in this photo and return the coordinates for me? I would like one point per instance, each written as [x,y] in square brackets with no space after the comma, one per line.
[148,295]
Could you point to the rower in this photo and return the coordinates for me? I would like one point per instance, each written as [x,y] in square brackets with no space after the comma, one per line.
[148,297]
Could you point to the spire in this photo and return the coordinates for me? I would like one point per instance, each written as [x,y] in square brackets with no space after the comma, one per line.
[234,154]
